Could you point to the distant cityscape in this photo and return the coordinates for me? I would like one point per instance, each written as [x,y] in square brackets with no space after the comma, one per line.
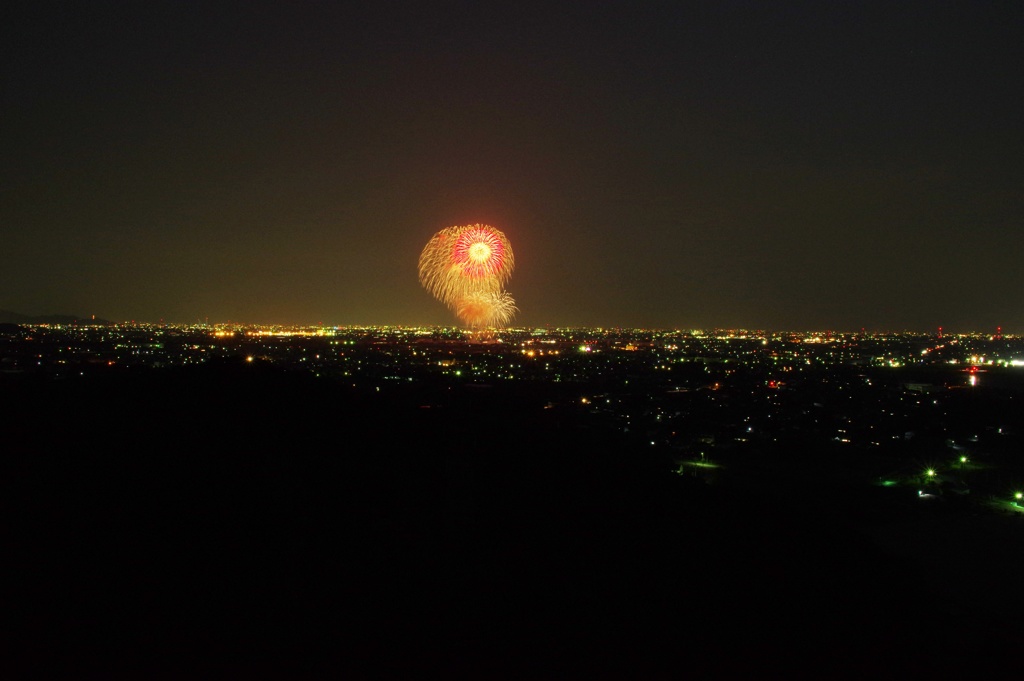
[552,354]
[926,418]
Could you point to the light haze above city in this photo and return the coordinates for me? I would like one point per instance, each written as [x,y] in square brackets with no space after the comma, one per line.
[664,165]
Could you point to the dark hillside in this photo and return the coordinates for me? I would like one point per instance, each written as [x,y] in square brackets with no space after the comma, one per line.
[237,518]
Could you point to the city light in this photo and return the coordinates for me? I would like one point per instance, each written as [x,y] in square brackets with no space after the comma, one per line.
[720,394]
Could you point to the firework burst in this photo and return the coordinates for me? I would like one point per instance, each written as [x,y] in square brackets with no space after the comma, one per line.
[465,267]
[483,309]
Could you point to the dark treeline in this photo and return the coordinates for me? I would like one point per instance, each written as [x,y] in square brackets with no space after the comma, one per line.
[239,518]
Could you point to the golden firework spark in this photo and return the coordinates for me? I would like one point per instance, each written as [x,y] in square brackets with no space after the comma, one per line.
[465,267]
[482,309]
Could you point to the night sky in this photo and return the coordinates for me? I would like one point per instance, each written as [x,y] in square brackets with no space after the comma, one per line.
[687,165]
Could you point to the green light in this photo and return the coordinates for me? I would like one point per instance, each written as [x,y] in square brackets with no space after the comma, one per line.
[963,459]
[1018,496]
[931,472]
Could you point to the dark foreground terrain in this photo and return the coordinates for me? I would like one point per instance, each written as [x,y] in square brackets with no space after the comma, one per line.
[236,519]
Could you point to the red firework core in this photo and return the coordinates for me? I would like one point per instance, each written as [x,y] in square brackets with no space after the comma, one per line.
[479,252]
